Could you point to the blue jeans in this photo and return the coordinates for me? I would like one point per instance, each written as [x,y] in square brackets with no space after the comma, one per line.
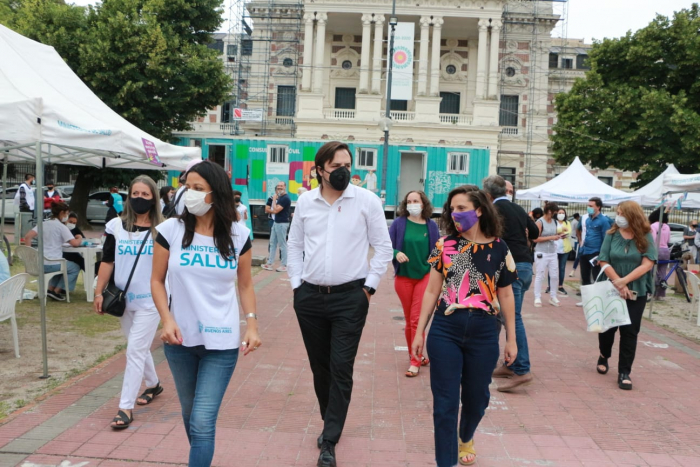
[57,281]
[278,238]
[463,349]
[201,378]
[521,365]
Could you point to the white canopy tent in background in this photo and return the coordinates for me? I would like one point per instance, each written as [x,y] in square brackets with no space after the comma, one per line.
[575,185]
[652,194]
[681,183]
[48,114]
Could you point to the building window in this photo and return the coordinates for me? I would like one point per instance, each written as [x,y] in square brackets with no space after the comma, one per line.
[508,174]
[582,62]
[195,143]
[227,112]
[449,103]
[399,105]
[510,72]
[217,154]
[347,64]
[606,180]
[217,45]
[286,101]
[451,69]
[345,98]
[366,159]
[247,47]
[277,154]
[508,115]
[567,63]
[553,60]
[458,163]
[287,62]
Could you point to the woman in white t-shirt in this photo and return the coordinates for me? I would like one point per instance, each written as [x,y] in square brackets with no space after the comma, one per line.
[55,235]
[202,254]
[240,208]
[124,237]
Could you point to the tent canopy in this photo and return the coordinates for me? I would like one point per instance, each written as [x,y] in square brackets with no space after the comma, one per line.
[652,194]
[575,185]
[42,100]
[681,183]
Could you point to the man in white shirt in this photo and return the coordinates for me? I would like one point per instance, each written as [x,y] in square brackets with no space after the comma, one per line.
[334,225]
[370,181]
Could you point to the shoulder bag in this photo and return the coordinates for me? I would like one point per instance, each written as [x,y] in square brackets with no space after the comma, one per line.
[114,298]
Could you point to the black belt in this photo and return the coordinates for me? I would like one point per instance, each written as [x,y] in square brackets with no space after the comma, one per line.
[329,289]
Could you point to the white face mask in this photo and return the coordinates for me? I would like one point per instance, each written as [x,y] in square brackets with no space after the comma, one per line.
[414,209]
[194,201]
[561,217]
[70,226]
[64,219]
[622,222]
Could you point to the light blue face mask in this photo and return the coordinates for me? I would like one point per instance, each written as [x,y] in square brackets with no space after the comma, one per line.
[590,210]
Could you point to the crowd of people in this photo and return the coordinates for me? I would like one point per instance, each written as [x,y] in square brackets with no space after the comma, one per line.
[464,277]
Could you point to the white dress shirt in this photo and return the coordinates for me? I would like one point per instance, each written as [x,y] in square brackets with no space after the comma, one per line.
[328,244]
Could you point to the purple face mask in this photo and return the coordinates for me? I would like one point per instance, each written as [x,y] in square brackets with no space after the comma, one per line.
[464,220]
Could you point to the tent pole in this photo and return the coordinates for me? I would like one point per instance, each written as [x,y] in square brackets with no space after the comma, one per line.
[39,212]
[4,199]
[656,265]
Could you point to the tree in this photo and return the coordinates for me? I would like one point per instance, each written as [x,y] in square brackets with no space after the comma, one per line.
[639,107]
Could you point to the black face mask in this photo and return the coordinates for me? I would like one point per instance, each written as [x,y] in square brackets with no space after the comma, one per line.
[339,178]
[140,205]
[237,199]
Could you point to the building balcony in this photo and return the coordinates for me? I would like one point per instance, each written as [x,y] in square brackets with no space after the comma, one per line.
[339,114]
[510,132]
[456,119]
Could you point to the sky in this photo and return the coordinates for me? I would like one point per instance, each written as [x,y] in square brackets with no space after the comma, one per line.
[597,19]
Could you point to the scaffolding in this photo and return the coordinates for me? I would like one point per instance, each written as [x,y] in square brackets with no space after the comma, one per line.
[262,57]
[535,22]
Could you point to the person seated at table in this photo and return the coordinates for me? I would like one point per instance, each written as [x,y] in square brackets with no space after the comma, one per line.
[55,235]
[77,258]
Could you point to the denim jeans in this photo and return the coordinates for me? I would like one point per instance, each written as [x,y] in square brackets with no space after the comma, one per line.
[201,378]
[57,281]
[278,238]
[521,365]
[463,349]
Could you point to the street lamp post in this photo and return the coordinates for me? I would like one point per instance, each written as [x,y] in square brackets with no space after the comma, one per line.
[385,123]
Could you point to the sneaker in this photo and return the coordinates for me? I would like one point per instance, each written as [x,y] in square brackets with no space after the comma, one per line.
[571,274]
[562,291]
[579,304]
[281,269]
[538,303]
[554,301]
[267,267]
[56,295]
[515,382]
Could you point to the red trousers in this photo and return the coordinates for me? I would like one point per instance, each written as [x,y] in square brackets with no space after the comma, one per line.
[410,292]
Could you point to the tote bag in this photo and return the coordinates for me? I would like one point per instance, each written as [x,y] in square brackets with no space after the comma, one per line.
[602,305]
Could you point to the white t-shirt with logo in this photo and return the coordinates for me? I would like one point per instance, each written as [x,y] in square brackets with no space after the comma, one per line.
[126,247]
[203,297]
[55,235]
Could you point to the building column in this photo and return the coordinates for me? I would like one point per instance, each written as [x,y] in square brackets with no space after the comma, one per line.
[435,56]
[364,56]
[378,52]
[423,63]
[481,59]
[307,70]
[493,60]
[321,19]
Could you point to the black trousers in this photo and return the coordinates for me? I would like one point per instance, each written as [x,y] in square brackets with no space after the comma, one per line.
[628,336]
[588,272]
[331,326]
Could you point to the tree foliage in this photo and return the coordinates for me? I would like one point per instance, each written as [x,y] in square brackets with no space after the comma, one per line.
[639,107]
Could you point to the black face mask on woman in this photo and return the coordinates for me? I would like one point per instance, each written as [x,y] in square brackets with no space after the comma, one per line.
[140,205]
[339,178]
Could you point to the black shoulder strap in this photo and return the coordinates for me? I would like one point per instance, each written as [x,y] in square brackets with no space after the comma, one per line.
[138,255]
[172,207]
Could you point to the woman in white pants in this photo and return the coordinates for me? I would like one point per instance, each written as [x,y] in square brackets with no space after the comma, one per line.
[124,237]
[546,255]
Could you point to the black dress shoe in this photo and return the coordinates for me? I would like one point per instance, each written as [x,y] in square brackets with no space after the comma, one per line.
[319,441]
[327,457]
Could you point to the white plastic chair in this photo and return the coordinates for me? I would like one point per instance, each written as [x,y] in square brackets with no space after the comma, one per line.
[694,285]
[10,291]
[30,258]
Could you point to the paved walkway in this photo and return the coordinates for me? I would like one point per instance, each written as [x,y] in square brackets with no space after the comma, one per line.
[569,416]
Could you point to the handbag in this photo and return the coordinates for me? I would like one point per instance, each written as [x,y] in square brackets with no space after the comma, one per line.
[602,305]
[114,298]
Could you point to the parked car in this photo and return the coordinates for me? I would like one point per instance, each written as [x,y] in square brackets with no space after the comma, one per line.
[96,208]
[8,197]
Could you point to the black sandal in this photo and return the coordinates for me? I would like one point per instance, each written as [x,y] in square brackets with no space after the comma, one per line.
[602,361]
[124,418]
[150,394]
[624,377]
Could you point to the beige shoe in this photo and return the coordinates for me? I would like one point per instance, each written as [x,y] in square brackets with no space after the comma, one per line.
[515,382]
[502,372]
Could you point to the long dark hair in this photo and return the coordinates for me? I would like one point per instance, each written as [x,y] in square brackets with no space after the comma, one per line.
[489,221]
[427,206]
[165,193]
[225,214]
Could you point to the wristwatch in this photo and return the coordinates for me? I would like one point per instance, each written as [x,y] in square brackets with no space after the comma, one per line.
[251,315]
[369,289]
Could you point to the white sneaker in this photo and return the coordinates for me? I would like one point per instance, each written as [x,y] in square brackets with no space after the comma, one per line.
[267,267]
[281,269]
[579,304]
[538,303]
[554,301]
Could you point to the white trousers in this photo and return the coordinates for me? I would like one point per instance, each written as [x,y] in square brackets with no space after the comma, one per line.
[548,262]
[139,328]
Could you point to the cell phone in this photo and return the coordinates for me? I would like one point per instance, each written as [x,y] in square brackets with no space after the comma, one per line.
[634,294]
[594,261]
[539,255]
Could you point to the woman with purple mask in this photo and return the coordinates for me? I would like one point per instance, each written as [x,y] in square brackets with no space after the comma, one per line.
[471,283]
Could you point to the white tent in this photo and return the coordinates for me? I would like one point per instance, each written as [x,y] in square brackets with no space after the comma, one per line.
[48,113]
[575,185]
[653,192]
[681,183]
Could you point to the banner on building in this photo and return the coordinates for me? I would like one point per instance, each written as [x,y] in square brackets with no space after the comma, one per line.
[251,115]
[402,71]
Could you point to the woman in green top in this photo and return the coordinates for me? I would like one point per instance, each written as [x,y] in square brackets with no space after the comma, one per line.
[413,236]
[629,249]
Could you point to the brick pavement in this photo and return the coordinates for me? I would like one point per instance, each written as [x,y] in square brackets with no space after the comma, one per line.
[569,416]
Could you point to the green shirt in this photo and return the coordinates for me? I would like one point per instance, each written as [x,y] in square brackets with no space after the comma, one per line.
[624,257]
[415,246]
